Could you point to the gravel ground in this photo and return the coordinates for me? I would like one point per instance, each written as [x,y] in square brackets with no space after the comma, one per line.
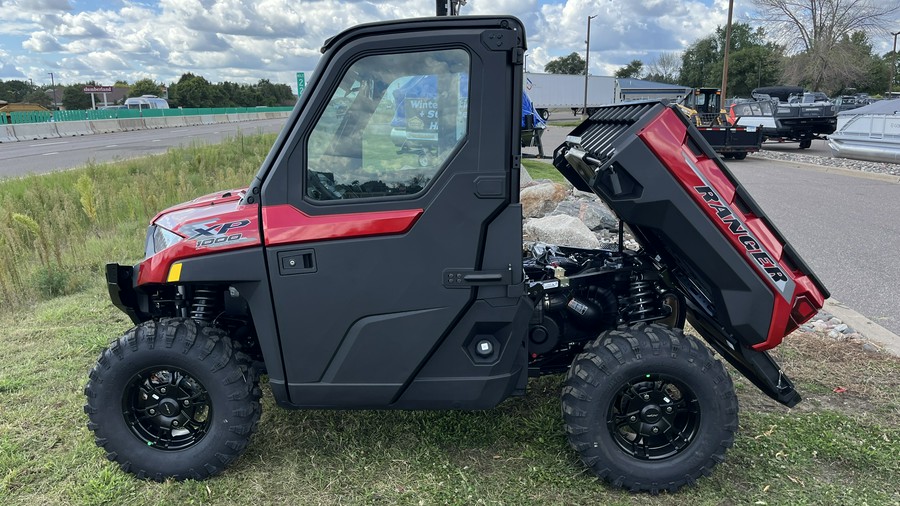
[844,163]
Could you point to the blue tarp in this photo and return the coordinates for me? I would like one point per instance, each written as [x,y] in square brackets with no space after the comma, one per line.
[528,108]
[425,87]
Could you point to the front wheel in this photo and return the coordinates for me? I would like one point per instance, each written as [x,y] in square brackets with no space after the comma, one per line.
[649,409]
[172,399]
[805,143]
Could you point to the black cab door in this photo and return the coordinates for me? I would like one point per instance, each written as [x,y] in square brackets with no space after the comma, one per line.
[391,220]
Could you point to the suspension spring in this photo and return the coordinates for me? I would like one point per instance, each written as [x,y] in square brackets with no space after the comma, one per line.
[205,305]
[643,301]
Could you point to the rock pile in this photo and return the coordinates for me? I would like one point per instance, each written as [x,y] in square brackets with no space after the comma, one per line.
[828,325]
[891,169]
[556,213]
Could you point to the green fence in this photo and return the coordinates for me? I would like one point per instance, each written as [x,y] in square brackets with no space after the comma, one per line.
[45,116]
[30,117]
[2,118]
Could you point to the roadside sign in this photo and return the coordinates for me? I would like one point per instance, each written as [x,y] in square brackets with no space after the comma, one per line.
[98,89]
[301,83]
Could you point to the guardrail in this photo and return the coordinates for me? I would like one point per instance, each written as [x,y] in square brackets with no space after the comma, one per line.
[76,123]
[20,117]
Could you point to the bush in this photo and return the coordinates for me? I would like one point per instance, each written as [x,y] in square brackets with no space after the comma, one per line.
[54,281]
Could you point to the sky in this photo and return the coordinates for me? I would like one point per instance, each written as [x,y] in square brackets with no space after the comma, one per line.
[244,41]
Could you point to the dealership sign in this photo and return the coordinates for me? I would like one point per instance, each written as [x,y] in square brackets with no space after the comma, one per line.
[98,89]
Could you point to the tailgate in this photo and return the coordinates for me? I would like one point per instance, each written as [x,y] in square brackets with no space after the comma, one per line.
[727,139]
[745,285]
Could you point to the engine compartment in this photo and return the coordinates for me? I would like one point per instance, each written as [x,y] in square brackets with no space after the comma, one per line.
[581,292]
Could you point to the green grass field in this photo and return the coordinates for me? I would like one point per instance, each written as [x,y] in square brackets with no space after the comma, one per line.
[833,449]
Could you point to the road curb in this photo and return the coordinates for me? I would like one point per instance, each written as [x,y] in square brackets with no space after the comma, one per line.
[874,333]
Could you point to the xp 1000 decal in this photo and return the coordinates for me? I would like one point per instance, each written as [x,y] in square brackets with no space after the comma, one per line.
[219,234]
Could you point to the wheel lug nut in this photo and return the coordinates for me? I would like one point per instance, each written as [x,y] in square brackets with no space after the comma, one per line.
[656,430]
[175,423]
[669,409]
[152,411]
[162,390]
[187,402]
[646,397]
[633,418]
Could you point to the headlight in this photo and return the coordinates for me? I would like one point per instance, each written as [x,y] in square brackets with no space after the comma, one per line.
[159,239]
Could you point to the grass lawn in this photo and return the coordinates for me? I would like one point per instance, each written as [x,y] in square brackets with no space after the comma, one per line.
[543,170]
[834,448]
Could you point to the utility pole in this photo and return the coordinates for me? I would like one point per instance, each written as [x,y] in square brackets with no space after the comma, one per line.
[53,85]
[725,66]
[893,66]
[587,61]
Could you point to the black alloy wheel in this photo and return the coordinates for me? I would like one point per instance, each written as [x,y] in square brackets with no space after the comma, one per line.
[167,408]
[649,408]
[173,399]
[654,417]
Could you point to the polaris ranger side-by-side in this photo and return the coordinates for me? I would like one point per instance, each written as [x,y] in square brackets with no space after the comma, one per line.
[354,277]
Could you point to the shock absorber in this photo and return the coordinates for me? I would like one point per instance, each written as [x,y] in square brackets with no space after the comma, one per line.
[643,299]
[206,304]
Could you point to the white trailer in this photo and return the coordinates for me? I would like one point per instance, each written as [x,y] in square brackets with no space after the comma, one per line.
[557,91]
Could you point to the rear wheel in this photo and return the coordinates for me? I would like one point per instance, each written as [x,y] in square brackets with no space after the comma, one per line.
[649,408]
[740,155]
[805,143]
[172,399]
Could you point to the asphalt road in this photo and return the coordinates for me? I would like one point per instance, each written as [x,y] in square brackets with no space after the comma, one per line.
[20,158]
[844,226]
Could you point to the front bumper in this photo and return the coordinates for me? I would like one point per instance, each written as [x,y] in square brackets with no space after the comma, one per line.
[120,281]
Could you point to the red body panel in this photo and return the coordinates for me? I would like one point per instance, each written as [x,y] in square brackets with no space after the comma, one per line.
[217,223]
[210,224]
[285,224]
[796,296]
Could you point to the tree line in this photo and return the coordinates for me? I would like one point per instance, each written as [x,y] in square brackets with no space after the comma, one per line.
[822,45]
[190,91]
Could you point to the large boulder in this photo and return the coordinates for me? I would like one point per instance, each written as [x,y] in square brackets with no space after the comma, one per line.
[591,211]
[540,199]
[561,230]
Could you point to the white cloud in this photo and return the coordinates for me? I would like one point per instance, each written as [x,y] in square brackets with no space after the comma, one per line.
[36,5]
[42,42]
[247,40]
[621,31]
[82,25]
[7,69]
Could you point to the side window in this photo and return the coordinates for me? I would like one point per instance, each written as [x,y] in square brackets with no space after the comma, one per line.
[390,125]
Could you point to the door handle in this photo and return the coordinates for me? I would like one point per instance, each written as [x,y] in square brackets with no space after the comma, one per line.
[296,262]
[467,278]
